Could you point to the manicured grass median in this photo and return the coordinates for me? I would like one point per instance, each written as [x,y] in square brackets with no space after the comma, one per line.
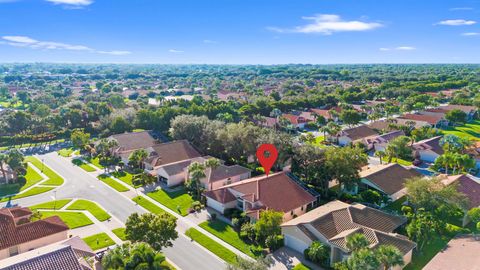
[173,200]
[112,183]
[58,204]
[225,232]
[53,178]
[80,163]
[30,192]
[72,219]
[120,233]
[91,207]
[148,205]
[208,243]
[98,241]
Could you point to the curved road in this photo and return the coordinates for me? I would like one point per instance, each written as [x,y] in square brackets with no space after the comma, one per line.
[80,184]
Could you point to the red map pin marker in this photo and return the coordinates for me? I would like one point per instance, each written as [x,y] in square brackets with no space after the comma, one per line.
[267,155]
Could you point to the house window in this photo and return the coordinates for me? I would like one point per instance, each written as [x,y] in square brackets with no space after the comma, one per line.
[13,250]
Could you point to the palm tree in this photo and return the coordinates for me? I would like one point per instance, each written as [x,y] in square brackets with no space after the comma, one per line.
[196,171]
[133,256]
[325,130]
[333,129]
[357,242]
[211,164]
[3,159]
[380,155]
[389,256]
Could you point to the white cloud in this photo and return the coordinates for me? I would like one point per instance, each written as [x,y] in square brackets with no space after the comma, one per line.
[24,41]
[209,41]
[399,48]
[461,8]
[71,2]
[327,24]
[457,22]
[469,34]
[175,51]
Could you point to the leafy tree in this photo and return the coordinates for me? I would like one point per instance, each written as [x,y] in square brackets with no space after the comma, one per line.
[137,158]
[371,196]
[309,163]
[3,159]
[268,224]
[389,256]
[156,230]
[357,242]
[211,164]
[350,117]
[318,252]
[15,160]
[79,139]
[363,259]
[133,256]
[474,214]
[120,125]
[399,148]
[344,164]
[422,228]
[453,144]
[456,116]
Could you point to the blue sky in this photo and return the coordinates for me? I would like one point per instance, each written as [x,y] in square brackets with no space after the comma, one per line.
[240,31]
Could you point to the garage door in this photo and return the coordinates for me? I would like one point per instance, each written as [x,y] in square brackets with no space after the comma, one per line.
[295,244]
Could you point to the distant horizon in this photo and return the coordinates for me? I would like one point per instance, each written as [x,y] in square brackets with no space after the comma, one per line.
[246,64]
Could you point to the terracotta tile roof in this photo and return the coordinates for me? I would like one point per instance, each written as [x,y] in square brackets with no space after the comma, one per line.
[432,144]
[358,133]
[432,119]
[13,234]
[171,152]
[62,259]
[337,220]
[390,178]
[271,192]
[467,186]
[294,119]
[134,140]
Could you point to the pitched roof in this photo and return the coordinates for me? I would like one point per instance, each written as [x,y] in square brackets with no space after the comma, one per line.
[268,191]
[432,144]
[337,220]
[171,152]
[359,132]
[13,234]
[461,253]
[295,119]
[384,137]
[390,178]
[432,118]
[465,108]
[467,186]
[134,140]
[224,172]
[384,124]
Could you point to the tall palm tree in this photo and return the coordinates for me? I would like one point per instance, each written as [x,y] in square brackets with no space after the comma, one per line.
[389,256]
[211,164]
[380,155]
[196,171]
[333,129]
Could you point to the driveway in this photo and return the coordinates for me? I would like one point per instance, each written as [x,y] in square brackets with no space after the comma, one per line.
[80,184]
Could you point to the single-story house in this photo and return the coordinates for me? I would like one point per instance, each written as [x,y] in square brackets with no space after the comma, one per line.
[327,113]
[466,185]
[384,125]
[129,142]
[428,150]
[434,119]
[460,253]
[388,179]
[167,153]
[333,222]
[72,254]
[296,121]
[19,234]
[176,173]
[276,192]
[380,142]
[356,134]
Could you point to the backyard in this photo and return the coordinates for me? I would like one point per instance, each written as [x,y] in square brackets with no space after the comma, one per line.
[179,201]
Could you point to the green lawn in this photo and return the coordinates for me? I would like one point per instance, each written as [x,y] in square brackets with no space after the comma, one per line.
[65,152]
[208,243]
[98,241]
[95,161]
[225,232]
[120,233]
[112,183]
[419,260]
[32,177]
[91,207]
[80,163]
[396,205]
[30,192]
[173,200]
[468,131]
[54,178]
[148,205]
[125,177]
[399,161]
[72,219]
[301,266]
[58,204]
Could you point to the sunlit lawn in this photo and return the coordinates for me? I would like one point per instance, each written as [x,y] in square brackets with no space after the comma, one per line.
[174,200]
[125,177]
[30,192]
[65,152]
[151,207]
[91,207]
[51,205]
[95,161]
[208,243]
[98,241]
[80,163]
[398,160]
[120,233]
[54,178]
[468,131]
[112,183]
[72,219]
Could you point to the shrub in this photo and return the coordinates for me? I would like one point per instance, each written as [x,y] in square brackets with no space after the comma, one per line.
[247,232]
[318,253]
[406,210]
[371,196]
[274,242]
[196,205]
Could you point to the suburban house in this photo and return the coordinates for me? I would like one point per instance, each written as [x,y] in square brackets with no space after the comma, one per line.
[20,235]
[356,134]
[333,222]
[176,173]
[270,122]
[72,254]
[380,142]
[297,121]
[129,142]
[385,125]
[428,150]
[434,119]
[470,111]
[460,253]
[388,179]
[277,192]
[327,114]
[466,185]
